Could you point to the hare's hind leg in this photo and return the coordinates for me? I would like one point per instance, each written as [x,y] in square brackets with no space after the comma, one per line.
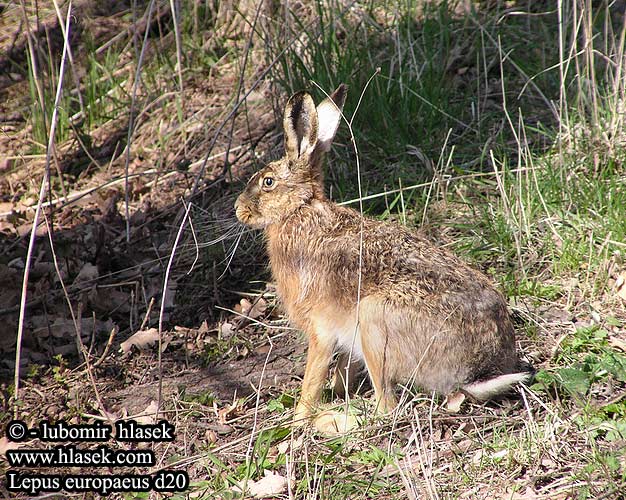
[378,369]
[346,374]
[317,362]
[377,354]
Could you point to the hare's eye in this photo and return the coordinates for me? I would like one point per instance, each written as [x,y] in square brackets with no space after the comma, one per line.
[268,182]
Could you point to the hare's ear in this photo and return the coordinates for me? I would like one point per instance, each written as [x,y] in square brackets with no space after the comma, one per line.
[328,117]
[300,124]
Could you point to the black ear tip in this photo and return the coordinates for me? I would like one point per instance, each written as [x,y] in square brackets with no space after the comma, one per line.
[296,99]
[298,96]
[339,95]
[296,104]
[294,107]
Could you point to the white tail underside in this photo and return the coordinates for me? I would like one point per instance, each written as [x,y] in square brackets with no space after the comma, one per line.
[487,389]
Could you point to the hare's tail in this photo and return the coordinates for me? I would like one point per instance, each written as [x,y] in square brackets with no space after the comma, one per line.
[490,388]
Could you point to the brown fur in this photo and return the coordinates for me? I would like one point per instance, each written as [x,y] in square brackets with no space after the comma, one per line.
[423,314]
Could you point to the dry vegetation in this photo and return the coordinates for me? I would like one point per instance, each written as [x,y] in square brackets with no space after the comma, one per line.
[143,293]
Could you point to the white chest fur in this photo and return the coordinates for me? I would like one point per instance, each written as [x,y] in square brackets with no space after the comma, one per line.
[339,327]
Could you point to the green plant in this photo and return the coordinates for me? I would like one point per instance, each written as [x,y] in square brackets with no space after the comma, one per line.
[584,358]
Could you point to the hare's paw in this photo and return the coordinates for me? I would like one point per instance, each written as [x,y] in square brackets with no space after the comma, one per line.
[302,415]
[386,403]
[335,423]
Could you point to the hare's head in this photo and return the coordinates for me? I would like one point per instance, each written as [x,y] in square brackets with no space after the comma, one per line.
[284,185]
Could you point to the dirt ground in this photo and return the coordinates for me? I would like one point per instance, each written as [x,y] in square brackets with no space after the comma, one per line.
[225,363]
[95,279]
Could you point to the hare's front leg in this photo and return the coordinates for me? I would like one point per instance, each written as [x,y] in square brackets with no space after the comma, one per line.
[317,362]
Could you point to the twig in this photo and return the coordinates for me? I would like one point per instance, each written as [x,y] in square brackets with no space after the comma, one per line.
[360,265]
[55,261]
[163,297]
[255,421]
[146,317]
[196,244]
[42,191]
[254,85]
[549,104]
[71,198]
[240,84]
[179,53]
[112,335]
[131,120]
[255,321]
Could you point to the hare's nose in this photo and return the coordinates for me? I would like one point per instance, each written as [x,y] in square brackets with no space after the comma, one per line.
[239,204]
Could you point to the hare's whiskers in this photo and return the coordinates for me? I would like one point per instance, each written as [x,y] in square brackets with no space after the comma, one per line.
[232,252]
[227,235]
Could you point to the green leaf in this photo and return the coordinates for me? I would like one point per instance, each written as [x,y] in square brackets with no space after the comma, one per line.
[543,381]
[574,381]
[615,409]
[287,399]
[611,321]
[545,377]
[617,431]
[275,406]
[615,364]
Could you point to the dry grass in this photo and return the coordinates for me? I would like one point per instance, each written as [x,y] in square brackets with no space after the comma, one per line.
[499,131]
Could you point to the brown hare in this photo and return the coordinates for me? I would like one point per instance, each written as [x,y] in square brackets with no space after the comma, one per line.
[409,310]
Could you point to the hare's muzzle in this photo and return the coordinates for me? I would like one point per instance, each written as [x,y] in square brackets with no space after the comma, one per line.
[238,208]
[241,210]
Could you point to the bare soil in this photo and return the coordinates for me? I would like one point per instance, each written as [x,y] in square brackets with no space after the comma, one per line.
[95,282]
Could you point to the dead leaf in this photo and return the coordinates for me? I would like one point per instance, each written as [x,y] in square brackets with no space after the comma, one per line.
[499,454]
[250,310]
[210,436]
[6,207]
[407,466]
[141,340]
[227,330]
[620,285]
[243,307]
[454,401]
[618,343]
[107,299]
[170,295]
[527,494]
[148,415]
[478,456]
[262,350]
[6,445]
[65,327]
[41,269]
[464,429]
[270,485]
[155,289]
[229,412]
[464,445]
[290,444]
[64,350]
[17,263]
[221,429]
[88,273]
